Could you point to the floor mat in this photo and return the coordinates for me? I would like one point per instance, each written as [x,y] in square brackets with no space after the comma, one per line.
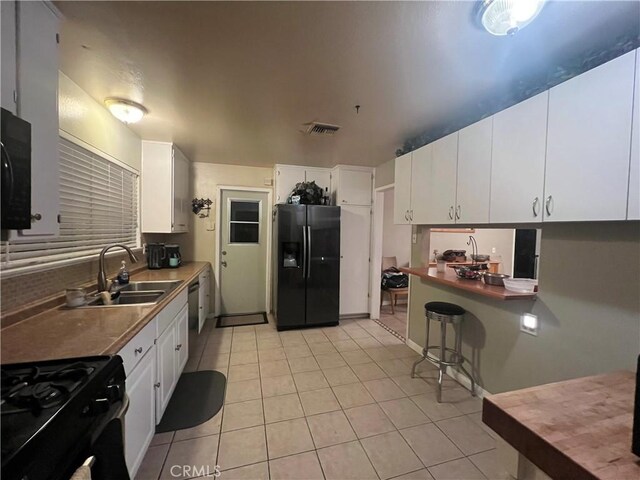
[198,397]
[241,320]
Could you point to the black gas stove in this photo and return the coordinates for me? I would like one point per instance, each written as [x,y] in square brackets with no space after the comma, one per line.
[56,414]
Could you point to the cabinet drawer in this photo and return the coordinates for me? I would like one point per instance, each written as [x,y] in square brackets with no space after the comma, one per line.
[168,314]
[133,351]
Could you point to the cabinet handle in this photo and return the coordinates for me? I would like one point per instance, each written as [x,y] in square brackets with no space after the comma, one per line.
[406,215]
[156,385]
[178,347]
[534,206]
[451,212]
[137,350]
[458,210]
[411,215]
[36,217]
[548,206]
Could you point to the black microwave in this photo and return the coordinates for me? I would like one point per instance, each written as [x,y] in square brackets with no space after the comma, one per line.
[15,138]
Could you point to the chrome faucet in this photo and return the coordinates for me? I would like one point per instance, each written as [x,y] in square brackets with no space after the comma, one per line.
[102,276]
[474,249]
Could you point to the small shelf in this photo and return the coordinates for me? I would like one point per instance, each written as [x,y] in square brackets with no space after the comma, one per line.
[478,287]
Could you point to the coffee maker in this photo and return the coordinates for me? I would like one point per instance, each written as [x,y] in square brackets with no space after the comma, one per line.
[172,259]
[156,255]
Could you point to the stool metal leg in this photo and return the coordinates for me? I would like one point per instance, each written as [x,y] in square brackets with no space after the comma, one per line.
[443,352]
[424,352]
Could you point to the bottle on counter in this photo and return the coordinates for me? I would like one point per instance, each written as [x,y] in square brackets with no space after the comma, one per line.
[123,274]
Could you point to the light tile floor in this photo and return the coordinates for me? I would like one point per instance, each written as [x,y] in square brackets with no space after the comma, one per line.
[395,321]
[328,403]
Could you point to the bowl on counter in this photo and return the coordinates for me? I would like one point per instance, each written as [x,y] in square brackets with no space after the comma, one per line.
[520,285]
[496,279]
[468,273]
[480,257]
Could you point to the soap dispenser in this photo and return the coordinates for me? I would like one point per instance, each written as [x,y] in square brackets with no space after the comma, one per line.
[123,274]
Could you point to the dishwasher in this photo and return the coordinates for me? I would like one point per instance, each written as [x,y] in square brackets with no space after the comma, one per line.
[194,304]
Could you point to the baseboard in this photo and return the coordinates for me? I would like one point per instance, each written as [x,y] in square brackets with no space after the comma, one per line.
[354,316]
[452,372]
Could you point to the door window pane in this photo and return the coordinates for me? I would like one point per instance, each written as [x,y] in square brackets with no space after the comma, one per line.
[244,233]
[245,211]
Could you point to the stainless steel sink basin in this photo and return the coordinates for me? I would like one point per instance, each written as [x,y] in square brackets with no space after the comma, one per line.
[137,293]
[150,286]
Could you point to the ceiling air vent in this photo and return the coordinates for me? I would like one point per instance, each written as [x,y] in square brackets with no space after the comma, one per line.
[322,129]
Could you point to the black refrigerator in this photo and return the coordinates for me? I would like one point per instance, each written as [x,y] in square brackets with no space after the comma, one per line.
[306,267]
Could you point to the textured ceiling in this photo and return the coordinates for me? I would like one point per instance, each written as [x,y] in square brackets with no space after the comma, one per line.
[234,82]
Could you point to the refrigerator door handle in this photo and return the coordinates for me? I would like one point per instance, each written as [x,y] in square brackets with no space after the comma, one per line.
[309,252]
[304,252]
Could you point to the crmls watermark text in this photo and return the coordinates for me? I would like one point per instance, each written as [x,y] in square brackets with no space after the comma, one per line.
[190,471]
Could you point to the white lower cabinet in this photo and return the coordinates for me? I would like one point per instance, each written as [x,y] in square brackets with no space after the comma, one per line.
[172,352]
[140,419]
[204,297]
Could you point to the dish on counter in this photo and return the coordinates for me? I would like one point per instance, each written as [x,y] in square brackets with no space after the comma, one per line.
[496,279]
[470,272]
[520,285]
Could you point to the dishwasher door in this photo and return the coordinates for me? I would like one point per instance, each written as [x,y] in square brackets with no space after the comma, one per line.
[194,304]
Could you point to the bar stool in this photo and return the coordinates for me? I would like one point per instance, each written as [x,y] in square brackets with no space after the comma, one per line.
[445,313]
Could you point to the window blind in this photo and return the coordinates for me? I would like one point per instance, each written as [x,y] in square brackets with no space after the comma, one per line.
[98,206]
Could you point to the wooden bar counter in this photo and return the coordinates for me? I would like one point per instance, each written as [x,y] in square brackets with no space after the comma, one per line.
[450,279]
[576,429]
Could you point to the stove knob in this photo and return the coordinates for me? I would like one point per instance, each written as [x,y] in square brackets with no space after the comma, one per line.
[100,405]
[115,393]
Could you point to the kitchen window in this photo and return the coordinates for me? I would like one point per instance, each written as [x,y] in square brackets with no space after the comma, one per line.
[244,221]
[98,206]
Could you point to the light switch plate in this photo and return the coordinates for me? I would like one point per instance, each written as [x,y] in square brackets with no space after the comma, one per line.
[529,324]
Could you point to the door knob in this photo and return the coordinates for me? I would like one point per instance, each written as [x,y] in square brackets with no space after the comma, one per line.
[223,263]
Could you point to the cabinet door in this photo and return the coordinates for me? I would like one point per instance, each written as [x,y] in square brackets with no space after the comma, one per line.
[286,178]
[633,207]
[38,105]
[166,369]
[355,187]
[441,181]
[322,177]
[402,189]
[588,144]
[181,198]
[140,420]
[182,340]
[518,158]
[202,299]
[8,37]
[355,234]
[473,189]
[420,171]
[156,187]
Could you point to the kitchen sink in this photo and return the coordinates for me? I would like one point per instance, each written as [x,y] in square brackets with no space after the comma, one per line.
[150,286]
[136,293]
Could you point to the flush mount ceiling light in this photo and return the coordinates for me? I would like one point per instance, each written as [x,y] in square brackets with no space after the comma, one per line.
[125,110]
[506,17]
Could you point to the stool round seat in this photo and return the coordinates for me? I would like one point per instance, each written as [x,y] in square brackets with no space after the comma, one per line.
[444,308]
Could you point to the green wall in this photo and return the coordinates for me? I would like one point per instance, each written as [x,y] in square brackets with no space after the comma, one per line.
[588,310]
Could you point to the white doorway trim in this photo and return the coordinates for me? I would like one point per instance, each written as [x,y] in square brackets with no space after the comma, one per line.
[219,226]
[376,250]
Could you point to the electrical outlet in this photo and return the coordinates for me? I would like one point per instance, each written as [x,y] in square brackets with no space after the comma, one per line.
[493,249]
[529,324]
[414,238]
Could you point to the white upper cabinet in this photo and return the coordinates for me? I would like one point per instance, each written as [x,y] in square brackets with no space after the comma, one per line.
[420,171]
[286,177]
[37,95]
[322,177]
[440,183]
[353,185]
[8,45]
[474,173]
[402,190]
[633,207]
[517,170]
[588,144]
[165,199]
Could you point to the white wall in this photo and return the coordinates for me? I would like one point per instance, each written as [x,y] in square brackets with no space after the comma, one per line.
[90,121]
[499,238]
[396,239]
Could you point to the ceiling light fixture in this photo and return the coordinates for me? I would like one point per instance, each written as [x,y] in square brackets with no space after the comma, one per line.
[506,17]
[125,110]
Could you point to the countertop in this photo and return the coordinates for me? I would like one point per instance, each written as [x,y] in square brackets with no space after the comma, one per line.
[64,332]
[474,286]
[573,429]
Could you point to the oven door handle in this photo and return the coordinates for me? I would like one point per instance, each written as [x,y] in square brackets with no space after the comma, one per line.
[7,169]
